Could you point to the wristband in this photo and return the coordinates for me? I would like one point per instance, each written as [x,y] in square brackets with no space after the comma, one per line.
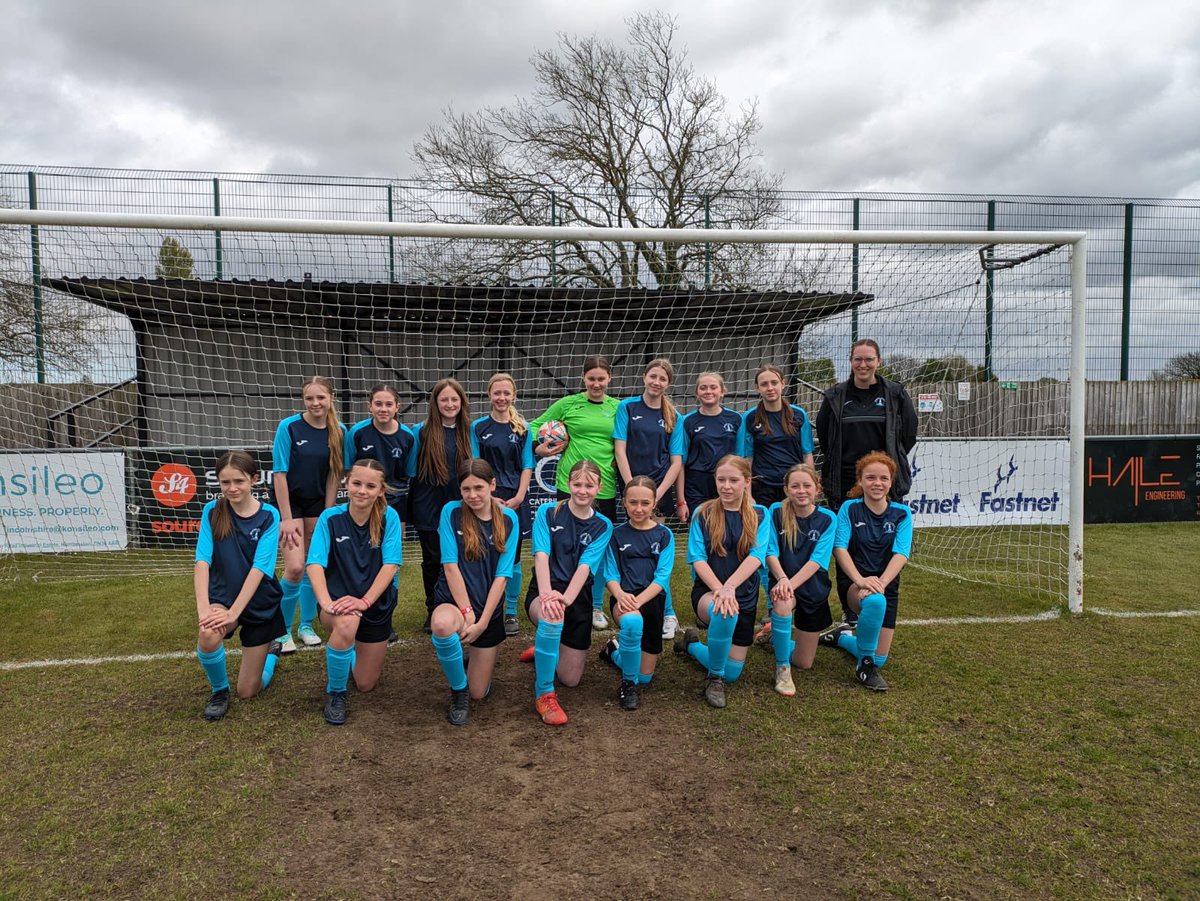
[464,611]
[680,505]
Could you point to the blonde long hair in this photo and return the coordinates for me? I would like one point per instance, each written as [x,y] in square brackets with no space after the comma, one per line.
[333,427]
[787,515]
[472,530]
[713,513]
[668,408]
[516,421]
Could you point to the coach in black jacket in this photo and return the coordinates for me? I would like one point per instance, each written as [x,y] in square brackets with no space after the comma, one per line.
[864,413]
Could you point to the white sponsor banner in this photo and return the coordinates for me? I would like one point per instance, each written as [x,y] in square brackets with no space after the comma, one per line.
[989,482]
[62,502]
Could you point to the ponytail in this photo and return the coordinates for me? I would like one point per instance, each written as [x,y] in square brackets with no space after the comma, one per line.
[516,421]
[333,428]
[668,408]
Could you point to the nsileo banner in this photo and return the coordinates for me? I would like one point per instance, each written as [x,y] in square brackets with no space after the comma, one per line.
[989,482]
[62,502]
[1133,479]
[170,487]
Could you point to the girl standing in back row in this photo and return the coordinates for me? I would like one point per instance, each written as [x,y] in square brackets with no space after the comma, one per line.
[503,438]
[442,443]
[308,463]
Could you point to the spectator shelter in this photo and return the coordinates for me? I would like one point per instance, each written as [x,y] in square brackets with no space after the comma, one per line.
[221,362]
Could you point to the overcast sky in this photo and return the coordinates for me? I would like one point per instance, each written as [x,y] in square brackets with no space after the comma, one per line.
[1070,97]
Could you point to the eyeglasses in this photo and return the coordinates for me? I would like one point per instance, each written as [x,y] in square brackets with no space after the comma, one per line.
[863,359]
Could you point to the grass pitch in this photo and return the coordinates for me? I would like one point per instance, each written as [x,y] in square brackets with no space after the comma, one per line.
[1055,758]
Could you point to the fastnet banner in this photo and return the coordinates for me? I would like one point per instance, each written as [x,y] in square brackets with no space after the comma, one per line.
[62,502]
[989,482]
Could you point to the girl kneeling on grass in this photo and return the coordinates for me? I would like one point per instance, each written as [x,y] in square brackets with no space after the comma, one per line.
[479,537]
[798,558]
[872,543]
[352,565]
[727,544]
[235,583]
[569,540]
[637,568]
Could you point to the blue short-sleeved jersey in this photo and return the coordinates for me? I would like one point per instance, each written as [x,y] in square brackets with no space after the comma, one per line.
[648,445]
[508,452]
[637,557]
[706,439]
[477,574]
[872,539]
[253,544]
[365,441]
[302,451]
[343,548]
[700,548]
[772,450]
[570,542]
[814,541]
[426,499]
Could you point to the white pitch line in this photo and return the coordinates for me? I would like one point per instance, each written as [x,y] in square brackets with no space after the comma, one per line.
[1143,614]
[1045,616]
[983,620]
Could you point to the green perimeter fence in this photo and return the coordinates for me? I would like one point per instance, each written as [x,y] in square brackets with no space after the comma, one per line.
[1143,254]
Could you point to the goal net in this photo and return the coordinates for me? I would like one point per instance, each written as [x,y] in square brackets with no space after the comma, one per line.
[146,346]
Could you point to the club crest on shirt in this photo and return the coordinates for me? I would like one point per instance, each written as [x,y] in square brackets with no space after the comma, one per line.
[879,401]
[814,536]
[655,547]
[585,539]
[254,533]
[512,438]
[395,453]
[729,427]
[889,528]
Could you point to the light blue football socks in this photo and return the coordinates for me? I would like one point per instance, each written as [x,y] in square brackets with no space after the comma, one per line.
[337,667]
[629,652]
[545,655]
[213,663]
[450,656]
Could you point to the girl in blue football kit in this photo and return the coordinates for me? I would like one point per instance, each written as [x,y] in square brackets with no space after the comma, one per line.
[872,543]
[383,437]
[355,553]
[637,568]
[442,445]
[727,545]
[801,542]
[235,583]
[479,537]
[569,540]
[503,438]
[647,441]
[708,434]
[308,462]
[775,436]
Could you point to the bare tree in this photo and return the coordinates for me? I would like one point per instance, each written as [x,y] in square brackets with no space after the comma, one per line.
[617,136]
[67,325]
[1180,366]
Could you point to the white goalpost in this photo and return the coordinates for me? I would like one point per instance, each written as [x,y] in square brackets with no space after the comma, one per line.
[193,333]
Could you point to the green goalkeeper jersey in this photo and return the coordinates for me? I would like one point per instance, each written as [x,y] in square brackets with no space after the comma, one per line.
[590,429]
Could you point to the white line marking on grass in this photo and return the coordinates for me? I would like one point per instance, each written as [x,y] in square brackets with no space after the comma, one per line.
[1045,616]
[1142,614]
[137,658]
[983,620]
